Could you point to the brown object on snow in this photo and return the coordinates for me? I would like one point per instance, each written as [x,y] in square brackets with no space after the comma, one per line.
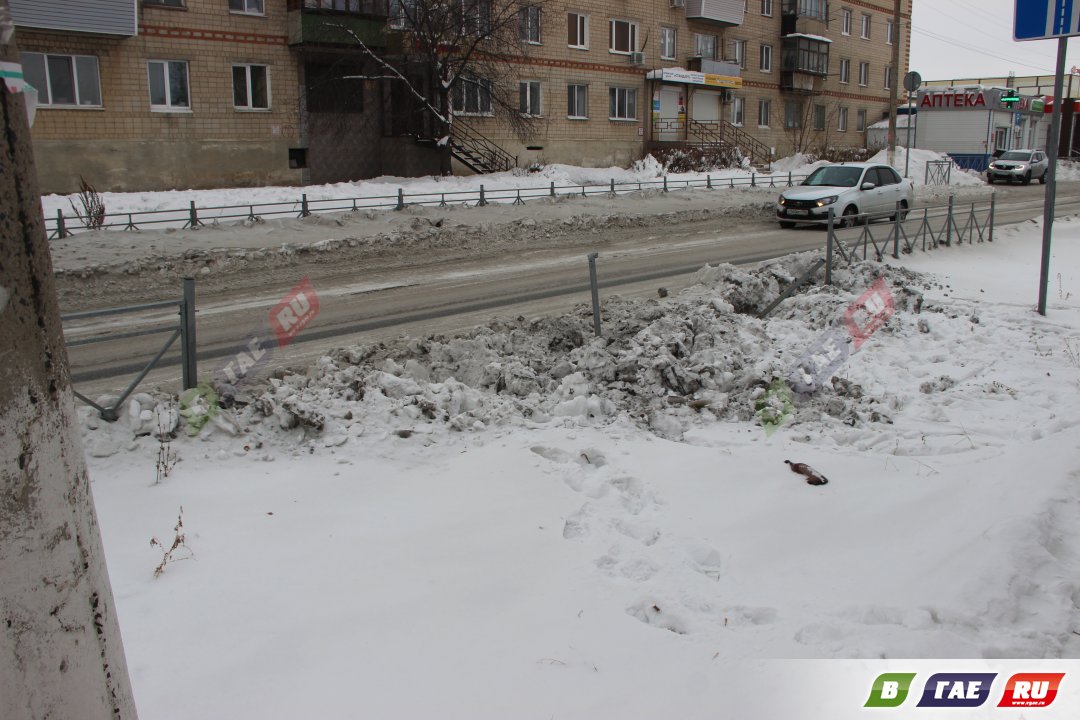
[813,477]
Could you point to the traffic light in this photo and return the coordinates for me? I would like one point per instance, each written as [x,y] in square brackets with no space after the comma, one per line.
[1009,99]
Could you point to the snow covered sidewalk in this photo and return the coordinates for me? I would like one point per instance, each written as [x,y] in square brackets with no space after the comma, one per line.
[524,522]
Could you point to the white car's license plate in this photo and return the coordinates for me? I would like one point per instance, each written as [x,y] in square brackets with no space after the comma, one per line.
[798,212]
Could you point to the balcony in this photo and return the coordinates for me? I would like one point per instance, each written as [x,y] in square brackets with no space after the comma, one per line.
[329,23]
[723,12]
[804,16]
[103,17]
[804,63]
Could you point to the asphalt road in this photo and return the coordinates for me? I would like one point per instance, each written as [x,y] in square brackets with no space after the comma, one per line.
[459,295]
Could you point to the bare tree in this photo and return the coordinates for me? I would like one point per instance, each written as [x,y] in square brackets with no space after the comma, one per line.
[458,56]
[59,638]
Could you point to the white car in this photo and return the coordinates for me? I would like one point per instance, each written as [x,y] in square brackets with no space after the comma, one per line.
[849,190]
[1019,165]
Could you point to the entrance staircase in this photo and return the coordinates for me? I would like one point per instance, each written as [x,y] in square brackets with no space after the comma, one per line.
[723,135]
[477,152]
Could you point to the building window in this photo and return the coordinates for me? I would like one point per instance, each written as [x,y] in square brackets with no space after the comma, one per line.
[667,43]
[529,24]
[577,101]
[841,119]
[247,7]
[738,53]
[819,117]
[475,16]
[864,73]
[845,71]
[764,111]
[705,46]
[888,77]
[622,37]
[864,32]
[529,98]
[766,8]
[792,114]
[766,58]
[846,25]
[860,121]
[889,32]
[164,3]
[168,85]
[63,79]
[622,103]
[805,54]
[251,87]
[817,9]
[577,31]
[472,96]
[738,106]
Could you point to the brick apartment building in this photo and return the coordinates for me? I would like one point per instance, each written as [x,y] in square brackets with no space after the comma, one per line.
[156,94]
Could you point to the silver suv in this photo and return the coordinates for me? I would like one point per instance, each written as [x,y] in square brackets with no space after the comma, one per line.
[1021,165]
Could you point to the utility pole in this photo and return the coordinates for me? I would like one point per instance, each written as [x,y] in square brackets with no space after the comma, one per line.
[60,645]
[894,86]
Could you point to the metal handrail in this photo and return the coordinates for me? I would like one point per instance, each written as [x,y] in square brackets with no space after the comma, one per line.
[497,159]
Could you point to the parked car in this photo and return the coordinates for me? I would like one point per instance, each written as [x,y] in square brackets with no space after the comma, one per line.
[849,190]
[1021,165]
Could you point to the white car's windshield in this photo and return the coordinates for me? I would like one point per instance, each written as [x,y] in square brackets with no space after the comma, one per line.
[834,176]
[1021,156]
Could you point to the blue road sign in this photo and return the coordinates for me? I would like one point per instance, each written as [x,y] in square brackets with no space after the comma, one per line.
[1043,19]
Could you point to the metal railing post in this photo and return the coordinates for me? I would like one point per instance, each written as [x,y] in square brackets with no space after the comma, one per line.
[789,178]
[831,229]
[594,287]
[189,367]
[708,182]
[304,212]
[949,222]
[552,188]
[896,233]
[993,202]
[753,179]
[482,201]
[401,198]
[61,226]
[665,183]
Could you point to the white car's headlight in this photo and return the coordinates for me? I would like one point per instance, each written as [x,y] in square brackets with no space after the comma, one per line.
[826,201]
[782,200]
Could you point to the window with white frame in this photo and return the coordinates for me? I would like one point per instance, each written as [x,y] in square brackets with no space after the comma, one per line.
[529,24]
[845,70]
[888,77]
[864,73]
[819,117]
[864,31]
[251,87]
[63,80]
[845,27]
[860,121]
[765,59]
[764,112]
[792,114]
[738,106]
[475,16]
[841,119]
[529,98]
[738,52]
[472,96]
[247,7]
[667,43]
[577,31]
[705,46]
[622,103]
[622,37]
[766,8]
[577,102]
[889,32]
[168,85]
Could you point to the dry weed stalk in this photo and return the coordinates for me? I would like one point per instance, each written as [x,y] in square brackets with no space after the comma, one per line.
[178,543]
[93,214]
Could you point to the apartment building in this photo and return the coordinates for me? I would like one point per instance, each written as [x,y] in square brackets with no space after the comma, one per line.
[157,94]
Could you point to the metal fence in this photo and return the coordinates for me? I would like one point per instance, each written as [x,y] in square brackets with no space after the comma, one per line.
[184,329]
[907,230]
[64,225]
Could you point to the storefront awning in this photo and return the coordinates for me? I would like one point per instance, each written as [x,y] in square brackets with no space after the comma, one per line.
[691,77]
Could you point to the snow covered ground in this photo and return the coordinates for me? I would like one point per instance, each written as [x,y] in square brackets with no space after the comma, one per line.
[528,522]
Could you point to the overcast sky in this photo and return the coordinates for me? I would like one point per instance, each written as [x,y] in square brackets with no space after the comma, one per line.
[973,38]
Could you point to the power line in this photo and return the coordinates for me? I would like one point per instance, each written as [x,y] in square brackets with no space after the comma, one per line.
[976,49]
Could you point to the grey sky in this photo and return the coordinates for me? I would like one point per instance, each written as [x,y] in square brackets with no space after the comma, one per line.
[973,38]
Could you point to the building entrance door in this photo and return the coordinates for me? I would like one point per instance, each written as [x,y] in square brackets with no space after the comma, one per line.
[670,127]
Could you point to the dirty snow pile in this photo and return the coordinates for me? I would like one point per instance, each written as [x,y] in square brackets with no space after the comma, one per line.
[525,520]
